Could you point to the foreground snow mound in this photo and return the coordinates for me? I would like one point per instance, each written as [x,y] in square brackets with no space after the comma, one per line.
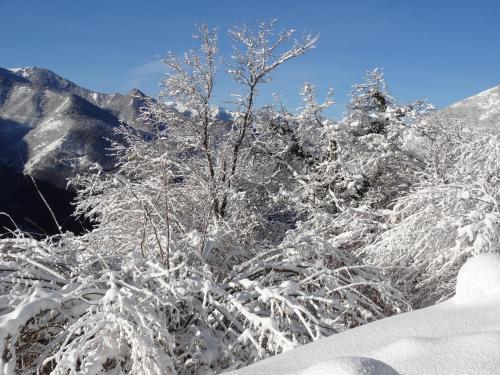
[479,279]
[350,366]
[454,337]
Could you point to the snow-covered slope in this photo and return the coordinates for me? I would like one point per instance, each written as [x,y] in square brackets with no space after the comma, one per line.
[126,108]
[459,336]
[52,128]
[481,110]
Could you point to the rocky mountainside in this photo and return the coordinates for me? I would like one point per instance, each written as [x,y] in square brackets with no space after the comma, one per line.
[51,129]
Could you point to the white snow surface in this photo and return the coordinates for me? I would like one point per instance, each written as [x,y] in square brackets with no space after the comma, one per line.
[460,336]
[479,279]
[350,366]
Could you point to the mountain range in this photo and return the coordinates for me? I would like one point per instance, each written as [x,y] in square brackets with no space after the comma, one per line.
[52,129]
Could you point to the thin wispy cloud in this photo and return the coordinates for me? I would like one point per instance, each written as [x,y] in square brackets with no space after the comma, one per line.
[151,67]
[146,76]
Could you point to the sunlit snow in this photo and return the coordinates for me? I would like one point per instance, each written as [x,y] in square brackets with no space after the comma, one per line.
[459,336]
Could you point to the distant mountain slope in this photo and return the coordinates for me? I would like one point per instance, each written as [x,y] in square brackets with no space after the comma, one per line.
[21,201]
[52,129]
[126,108]
[481,110]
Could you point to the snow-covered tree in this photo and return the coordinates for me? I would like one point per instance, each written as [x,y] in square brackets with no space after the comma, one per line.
[377,163]
[185,185]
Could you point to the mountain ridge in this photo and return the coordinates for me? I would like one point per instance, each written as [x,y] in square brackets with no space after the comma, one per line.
[39,108]
[53,129]
[481,110]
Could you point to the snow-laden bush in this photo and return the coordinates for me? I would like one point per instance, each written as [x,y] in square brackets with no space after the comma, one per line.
[64,311]
[363,160]
[452,215]
[68,310]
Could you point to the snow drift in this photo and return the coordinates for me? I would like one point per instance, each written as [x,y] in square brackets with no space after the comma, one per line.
[479,279]
[459,336]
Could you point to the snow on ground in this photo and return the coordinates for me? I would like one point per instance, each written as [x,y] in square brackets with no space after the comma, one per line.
[459,336]
[350,366]
[42,151]
[479,279]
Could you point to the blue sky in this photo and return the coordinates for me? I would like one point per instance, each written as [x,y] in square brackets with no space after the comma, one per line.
[440,50]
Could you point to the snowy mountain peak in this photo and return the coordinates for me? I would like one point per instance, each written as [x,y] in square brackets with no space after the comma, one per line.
[485,97]
[21,71]
[136,93]
[47,79]
[50,125]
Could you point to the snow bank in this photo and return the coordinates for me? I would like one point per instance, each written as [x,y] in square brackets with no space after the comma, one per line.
[452,337]
[350,366]
[479,279]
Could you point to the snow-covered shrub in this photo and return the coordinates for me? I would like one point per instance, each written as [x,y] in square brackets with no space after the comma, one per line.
[452,215]
[32,278]
[70,310]
[65,312]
